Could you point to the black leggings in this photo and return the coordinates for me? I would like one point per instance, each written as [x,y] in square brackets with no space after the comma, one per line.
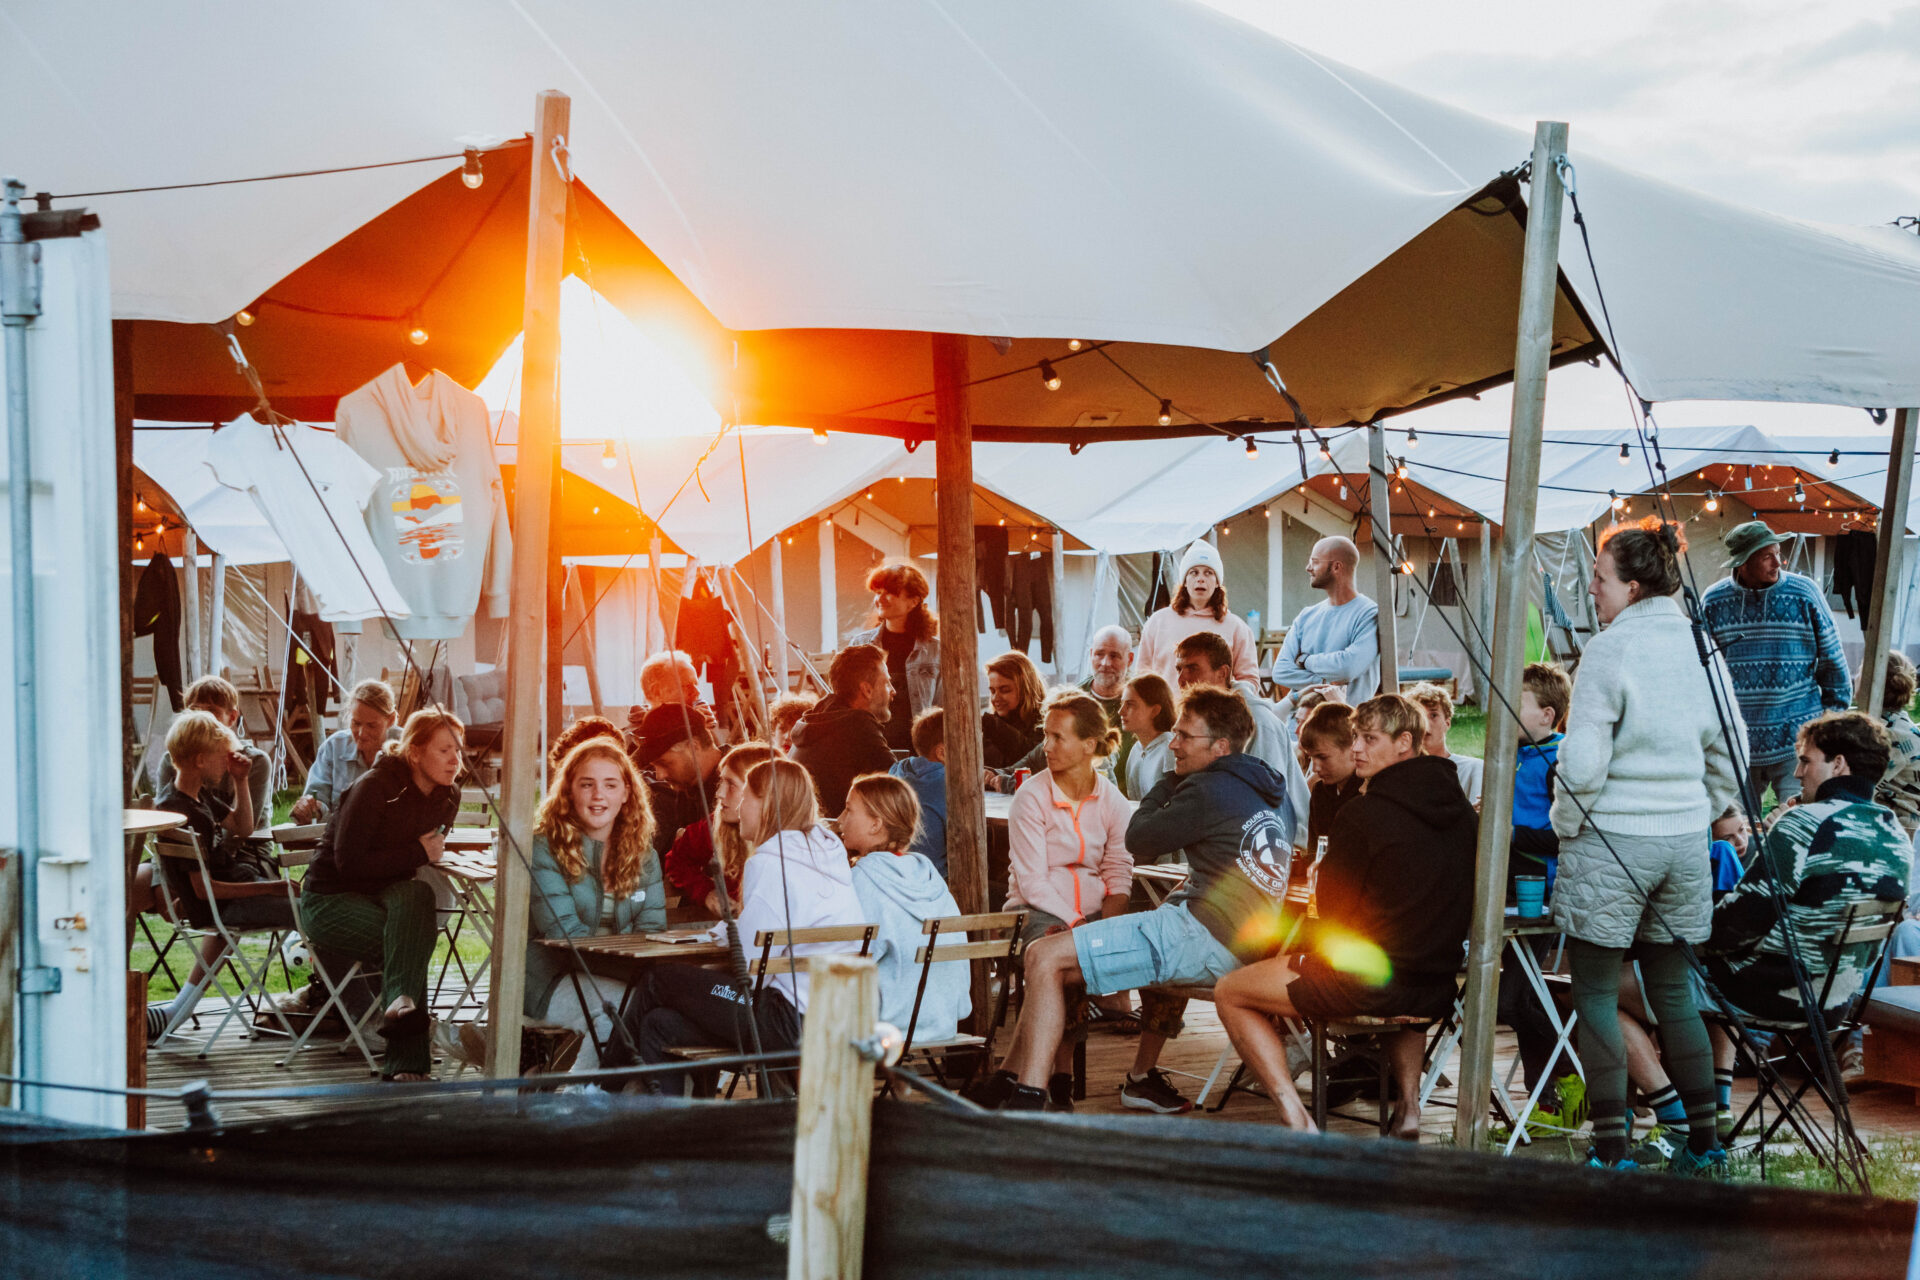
[1596,996]
[683,1004]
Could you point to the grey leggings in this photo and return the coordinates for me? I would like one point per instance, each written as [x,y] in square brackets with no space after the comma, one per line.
[1596,997]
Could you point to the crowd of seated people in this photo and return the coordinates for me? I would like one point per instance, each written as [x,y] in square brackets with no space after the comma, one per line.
[1623,803]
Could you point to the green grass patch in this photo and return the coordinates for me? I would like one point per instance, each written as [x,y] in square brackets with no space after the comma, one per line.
[1468,734]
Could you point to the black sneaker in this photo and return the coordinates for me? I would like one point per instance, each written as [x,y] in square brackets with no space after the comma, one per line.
[1060,1091]
[1154,1092]
[991,1092]
[1025,1098]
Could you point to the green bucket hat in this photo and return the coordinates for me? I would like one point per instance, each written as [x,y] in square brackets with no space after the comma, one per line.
[1744,539]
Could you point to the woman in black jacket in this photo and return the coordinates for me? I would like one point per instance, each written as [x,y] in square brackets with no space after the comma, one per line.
[1011,726]
[361,900]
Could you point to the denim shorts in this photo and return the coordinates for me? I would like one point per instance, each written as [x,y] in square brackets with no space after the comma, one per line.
[1150,948]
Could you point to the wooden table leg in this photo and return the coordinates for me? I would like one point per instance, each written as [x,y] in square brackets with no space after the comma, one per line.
[136,1047]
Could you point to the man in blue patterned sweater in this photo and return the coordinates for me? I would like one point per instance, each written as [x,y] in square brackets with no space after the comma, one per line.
[1782,650]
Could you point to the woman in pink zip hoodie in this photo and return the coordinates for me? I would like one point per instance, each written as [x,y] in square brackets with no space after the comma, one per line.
[1067,836]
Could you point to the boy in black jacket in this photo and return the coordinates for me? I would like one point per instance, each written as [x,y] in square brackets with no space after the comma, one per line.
[1395,896]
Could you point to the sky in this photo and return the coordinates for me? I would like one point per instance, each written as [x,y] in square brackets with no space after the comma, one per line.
[1808,108]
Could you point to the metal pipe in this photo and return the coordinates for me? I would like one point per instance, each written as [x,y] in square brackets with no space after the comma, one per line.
[1380,538]
[1887,567]
[1539,281]
[19,303]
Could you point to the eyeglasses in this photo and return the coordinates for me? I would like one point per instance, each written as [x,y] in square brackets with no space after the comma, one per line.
[1180,735]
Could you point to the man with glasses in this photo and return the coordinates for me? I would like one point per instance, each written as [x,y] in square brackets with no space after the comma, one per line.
[1204,659]
[1230,813]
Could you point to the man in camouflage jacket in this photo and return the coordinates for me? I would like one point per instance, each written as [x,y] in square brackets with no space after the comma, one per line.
[1825,853]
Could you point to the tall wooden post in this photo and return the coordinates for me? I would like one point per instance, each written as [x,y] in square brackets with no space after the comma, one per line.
[1063,651]
[1273,613]
[1484,632]
[1539,281]
[1887,567]
[123,484]
[833,1121]
[216,618]
[959,643]
[533,496]
[556,591]
[1385,565]
[829,590]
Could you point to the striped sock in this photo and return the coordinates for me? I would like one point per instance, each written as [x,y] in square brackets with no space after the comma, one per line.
[1702,1136]
[1667,1107]
[1610,1131]
[1723,1087]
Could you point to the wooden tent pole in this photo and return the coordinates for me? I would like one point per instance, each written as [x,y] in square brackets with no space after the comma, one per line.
[216,617]
[829,590]
[1484,632]
[533,494]
[556,590]
[1887,568]
[777,605]
[833,1121]
[1539,283]
[1380,503]
[959,643]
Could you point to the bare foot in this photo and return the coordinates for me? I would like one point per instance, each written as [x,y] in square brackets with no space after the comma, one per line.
[1404,1125]
[400,1008]
[409,1077]
[1296,1117]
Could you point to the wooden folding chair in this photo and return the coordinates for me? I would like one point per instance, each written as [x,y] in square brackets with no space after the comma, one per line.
[987,949]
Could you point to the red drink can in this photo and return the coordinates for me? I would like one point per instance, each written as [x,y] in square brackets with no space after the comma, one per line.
[1020,778]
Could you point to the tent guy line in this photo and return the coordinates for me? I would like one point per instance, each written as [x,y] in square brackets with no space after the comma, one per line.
[469,155]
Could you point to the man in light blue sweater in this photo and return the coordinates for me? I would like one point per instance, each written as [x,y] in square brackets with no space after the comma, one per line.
[1782,650]
[1335,641]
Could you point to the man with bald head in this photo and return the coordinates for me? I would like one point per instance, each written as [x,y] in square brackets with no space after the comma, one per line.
[1334,641]
[1109,660]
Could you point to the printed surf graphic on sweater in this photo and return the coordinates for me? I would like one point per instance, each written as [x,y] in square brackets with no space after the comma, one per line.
[429,521]
[1266,852]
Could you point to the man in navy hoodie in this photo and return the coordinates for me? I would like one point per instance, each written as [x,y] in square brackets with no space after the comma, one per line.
[1229,811]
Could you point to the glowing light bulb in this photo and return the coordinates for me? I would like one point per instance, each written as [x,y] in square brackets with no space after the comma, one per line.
[869,495]
[418,335]
[1713,500]
[470,171]
[596,511]
[1003,522]
[1266,513]
[1431,513]
[1406,567]
[1616,500]
[1074,344]
[607,458]
[159,529]
[1413,438]
[139,544]
[1166,413]
[1625,457]
[243,317]
[1253,449]
[1326,454]
[1799,494]
[140,505]
[1048,378]
[1401,470]
[1225,529]
[1458,525]
[819,435]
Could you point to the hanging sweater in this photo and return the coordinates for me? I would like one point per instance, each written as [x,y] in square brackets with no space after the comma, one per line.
[438,514]
[1784,653]
[1644,752]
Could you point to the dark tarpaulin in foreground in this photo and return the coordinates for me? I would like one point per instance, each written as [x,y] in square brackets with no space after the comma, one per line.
[586,1186]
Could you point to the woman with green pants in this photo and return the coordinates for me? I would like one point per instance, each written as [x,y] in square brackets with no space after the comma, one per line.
[361,900]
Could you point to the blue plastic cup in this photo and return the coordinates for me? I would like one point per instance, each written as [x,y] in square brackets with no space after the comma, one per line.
[1531,894]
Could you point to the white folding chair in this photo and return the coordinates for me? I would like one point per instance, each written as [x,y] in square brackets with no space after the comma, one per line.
[181,875]
[289,858]
[988,948]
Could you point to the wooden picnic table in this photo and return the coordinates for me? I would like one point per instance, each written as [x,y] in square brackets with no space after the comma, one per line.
[626,957]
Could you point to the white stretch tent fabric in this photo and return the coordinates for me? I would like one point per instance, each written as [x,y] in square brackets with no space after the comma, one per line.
[226,520]
[1151,171]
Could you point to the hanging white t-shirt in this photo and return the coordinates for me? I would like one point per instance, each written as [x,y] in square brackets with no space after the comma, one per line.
[326,532]
[439,513]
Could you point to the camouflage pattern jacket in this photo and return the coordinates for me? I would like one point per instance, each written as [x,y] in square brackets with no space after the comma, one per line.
[1826,854]
[1899,790]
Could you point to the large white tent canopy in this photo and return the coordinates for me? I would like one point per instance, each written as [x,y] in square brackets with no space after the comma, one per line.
[1151,171]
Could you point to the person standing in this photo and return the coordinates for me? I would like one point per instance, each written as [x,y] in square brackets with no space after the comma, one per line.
[1780,644]
[906,632]
[1199,605]
[1334,641]
[1644,770]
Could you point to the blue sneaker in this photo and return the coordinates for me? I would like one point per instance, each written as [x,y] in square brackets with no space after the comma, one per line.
[1624,1165]
[1712,1165]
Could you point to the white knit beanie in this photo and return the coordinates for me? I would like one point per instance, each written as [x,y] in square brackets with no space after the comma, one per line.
[1202,554]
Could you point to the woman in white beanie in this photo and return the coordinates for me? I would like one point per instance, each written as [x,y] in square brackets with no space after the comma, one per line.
[1199,605]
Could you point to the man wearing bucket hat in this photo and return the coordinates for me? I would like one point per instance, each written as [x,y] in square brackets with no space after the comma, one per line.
[1200,604]
[1781,648]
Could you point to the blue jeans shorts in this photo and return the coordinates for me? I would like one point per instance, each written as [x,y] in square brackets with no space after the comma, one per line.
[1150,948]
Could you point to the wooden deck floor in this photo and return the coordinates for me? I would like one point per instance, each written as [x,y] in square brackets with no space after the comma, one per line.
[238,1063]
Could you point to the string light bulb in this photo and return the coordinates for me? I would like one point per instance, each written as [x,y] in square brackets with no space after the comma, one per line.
[1406,567]
[1326,454]
[1615,500]
[1343,491]
[470,171]
[1833,460]
[1166,413]
[243,317]
[1413,438]
[1003,522]
[1459,525]
[1048,378]
[1431,513]
[1253,449]
[1625,457]
[1074,344]
[1401,469]
[607,458]
[140,505]
[1713,500]
[819,435]
[159,529]
[1226,530]
[1266,513]
[418,335]
[1799,494]
[139,544]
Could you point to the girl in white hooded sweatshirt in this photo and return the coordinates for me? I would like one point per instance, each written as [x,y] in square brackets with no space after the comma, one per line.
[797,877]
[899,891]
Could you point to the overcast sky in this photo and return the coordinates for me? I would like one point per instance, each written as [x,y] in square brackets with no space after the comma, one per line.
[1809,108]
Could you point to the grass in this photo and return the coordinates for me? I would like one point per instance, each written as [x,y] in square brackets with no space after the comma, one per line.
[1468,736]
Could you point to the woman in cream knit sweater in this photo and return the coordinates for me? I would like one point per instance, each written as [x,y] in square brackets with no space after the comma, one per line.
[1643,772]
